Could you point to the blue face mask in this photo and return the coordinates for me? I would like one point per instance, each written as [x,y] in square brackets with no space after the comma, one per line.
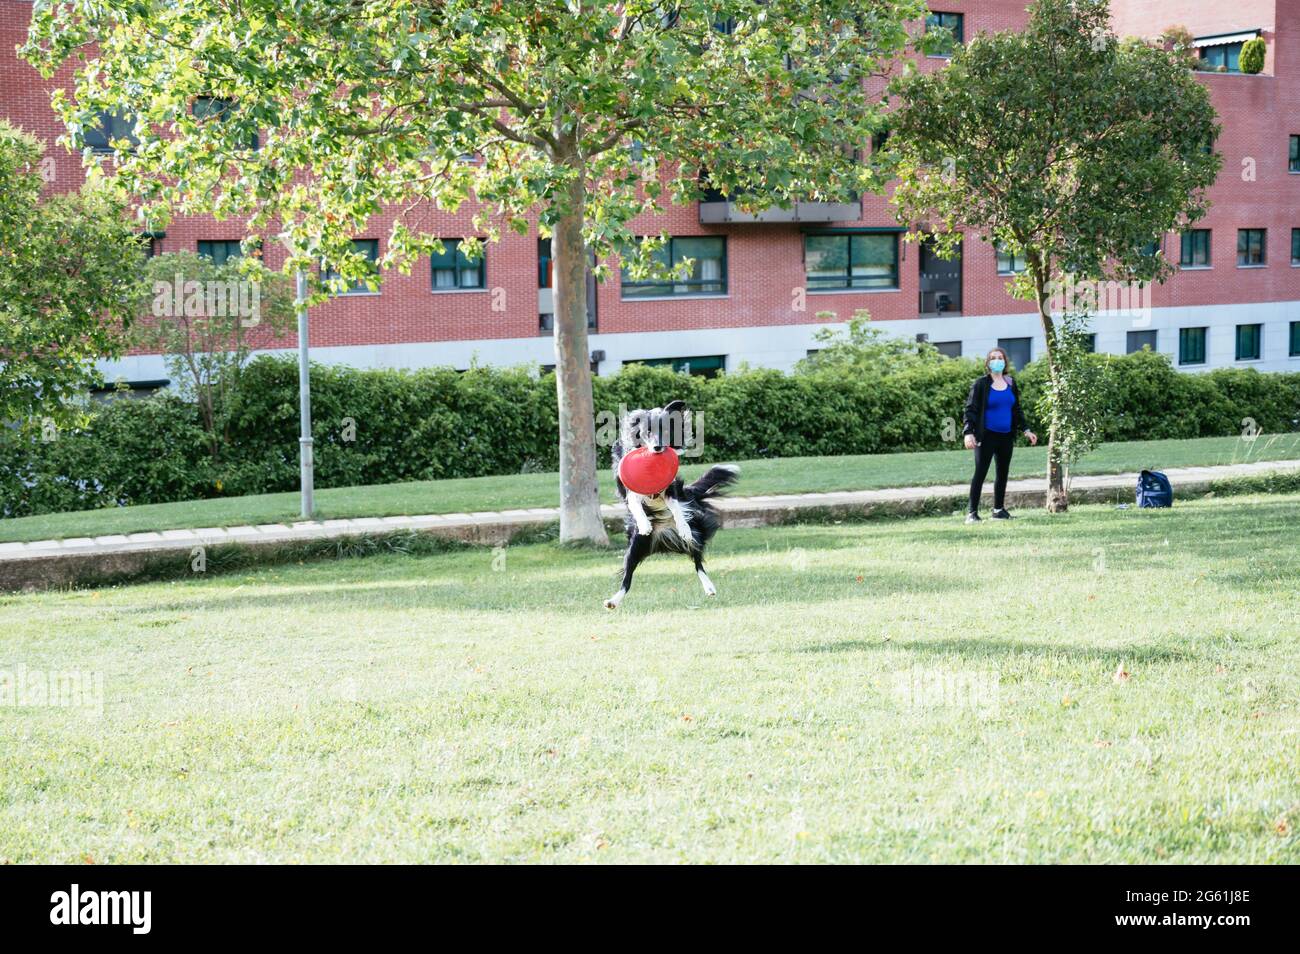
[997,365]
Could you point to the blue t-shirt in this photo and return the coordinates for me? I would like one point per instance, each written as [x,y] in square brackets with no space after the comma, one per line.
[997,413]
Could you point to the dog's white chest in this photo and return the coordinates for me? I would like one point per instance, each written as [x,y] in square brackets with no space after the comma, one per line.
[657,509]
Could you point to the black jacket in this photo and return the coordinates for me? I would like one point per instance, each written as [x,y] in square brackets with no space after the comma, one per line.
[977,401]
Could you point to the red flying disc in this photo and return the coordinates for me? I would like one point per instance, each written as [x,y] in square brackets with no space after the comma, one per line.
[645,472]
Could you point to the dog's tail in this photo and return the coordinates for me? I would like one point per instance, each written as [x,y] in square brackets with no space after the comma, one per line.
[716,478]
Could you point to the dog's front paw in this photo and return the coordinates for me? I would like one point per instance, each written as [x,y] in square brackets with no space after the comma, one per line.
[683,530]
[644,528]
[613,601]
[709,590]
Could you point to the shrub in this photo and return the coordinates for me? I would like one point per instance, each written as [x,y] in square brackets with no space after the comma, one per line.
[1251,59]
[133,451]
[388,426]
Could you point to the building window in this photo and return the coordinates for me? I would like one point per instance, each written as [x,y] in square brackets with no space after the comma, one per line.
[1009,264]
[851,260]
[1019,351]
[210,107]
[546,321]
[708,274]
[1295,246]
[550,368]
[1221,58]
[220,251]
[453,270]
[949,349]
[1090,343]
[544,264]
[1295,339]
[1196,249]
[1293,161]
[111,126]
[1191,345]
[546,285]
[954,24]
[1137,340]
[705,366]
[214,107]
[151,242]
[1248,342]
[370,249]
[1251,248]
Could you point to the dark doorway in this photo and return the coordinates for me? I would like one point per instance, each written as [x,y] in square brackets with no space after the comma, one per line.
[940,282]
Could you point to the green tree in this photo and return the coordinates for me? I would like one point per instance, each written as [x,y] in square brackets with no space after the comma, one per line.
[1069,149]
[68,269]
[200,316]
[1181,42]
[867,348]
[581,114]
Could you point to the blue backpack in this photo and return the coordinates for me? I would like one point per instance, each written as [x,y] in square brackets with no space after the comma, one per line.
[1154,490]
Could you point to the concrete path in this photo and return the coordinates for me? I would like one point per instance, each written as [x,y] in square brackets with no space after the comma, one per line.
[45,563]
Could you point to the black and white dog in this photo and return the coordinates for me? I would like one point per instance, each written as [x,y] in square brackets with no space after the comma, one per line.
[680,519]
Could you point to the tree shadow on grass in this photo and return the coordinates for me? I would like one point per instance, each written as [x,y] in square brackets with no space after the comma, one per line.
[664,584]
[977,648]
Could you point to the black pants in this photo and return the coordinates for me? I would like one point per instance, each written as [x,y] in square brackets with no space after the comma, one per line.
[994,446]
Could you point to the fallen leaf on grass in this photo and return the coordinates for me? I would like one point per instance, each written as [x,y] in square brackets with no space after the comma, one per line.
[1121,674]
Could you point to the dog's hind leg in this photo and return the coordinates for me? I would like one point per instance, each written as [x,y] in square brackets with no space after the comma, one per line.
[638,548]
[709,588]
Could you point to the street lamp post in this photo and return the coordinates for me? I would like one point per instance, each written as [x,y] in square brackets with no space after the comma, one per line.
[305,452]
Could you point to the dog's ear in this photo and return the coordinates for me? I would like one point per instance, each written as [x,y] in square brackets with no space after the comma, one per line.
[633,426]
[674,422]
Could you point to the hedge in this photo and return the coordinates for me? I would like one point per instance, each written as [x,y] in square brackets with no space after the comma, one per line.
[388,426]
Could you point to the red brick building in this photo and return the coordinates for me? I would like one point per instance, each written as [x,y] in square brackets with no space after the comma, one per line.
[761,291]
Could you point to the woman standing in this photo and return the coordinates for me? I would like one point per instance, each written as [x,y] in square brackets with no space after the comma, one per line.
[993,416]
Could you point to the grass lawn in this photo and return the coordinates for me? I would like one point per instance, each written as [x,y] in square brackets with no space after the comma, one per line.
[1102,686]
[789,475]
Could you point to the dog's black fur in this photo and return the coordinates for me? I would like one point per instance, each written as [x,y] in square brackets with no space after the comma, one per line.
[694,520]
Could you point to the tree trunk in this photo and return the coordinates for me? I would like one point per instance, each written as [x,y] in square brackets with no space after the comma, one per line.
[579,498]
[1058,495]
